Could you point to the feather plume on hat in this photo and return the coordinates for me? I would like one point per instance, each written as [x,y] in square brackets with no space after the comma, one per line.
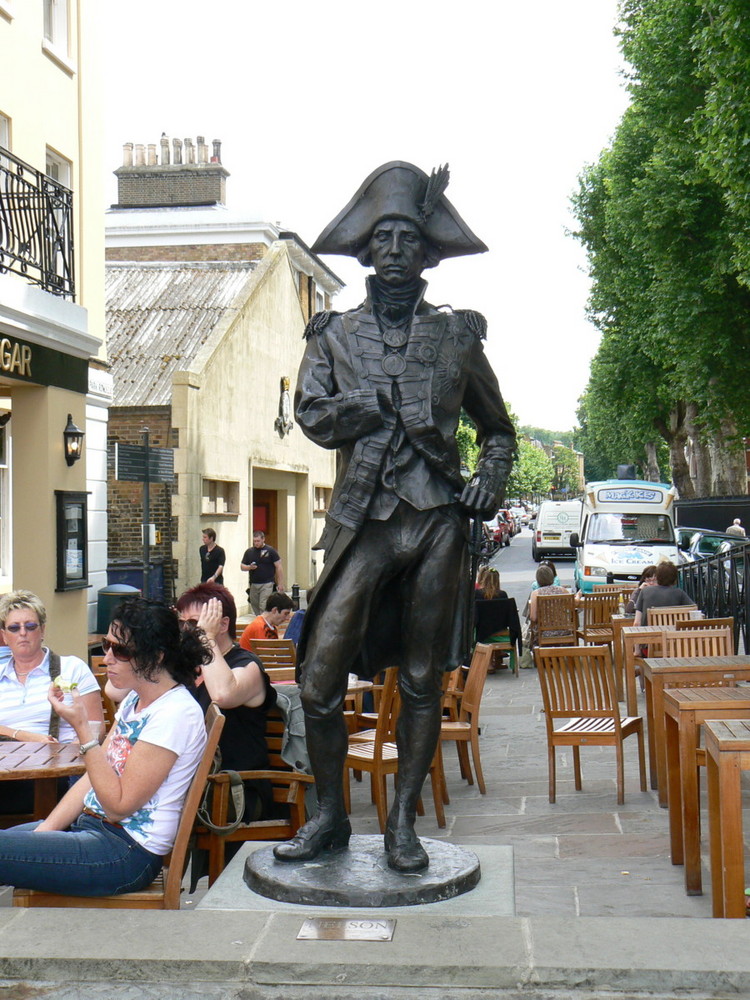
[436,185]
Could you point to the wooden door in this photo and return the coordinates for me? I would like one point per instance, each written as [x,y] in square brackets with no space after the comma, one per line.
[265,515]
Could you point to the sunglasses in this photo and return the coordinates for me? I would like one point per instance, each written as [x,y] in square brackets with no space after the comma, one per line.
[119,651]
[186,624]
[17,626]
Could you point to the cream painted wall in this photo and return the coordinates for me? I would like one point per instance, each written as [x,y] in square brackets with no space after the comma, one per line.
[225,410]
[55,100]
[39,415]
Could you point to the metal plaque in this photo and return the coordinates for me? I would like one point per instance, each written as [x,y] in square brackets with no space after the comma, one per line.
[346,929]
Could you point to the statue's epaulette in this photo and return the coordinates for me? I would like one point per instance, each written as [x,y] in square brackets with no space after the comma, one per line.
[475,322]
[318,323]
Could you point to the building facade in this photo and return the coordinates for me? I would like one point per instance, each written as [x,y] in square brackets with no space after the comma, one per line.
[205,318]
[52,374]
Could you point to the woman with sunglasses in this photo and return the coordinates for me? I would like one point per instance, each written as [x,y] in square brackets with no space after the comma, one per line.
[25,713]
[112,829]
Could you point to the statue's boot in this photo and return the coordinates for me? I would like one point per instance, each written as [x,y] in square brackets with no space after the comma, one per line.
[416,735]
[327,742]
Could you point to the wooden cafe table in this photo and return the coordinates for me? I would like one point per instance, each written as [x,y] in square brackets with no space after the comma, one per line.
[632,638]
[727,756]
[685,709]
[679,671]
[43,763]
[619,622]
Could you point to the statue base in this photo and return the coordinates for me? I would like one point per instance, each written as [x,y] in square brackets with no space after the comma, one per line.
[358,875]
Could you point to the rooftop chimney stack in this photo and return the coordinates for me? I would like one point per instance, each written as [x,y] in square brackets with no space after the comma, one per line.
[146,180]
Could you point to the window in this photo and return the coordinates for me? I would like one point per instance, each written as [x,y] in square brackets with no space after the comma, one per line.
[321,499]
[58,168]
[220,496]
[4,139]
[56,24]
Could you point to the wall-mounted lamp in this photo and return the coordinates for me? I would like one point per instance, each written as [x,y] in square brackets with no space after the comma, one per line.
[73,438]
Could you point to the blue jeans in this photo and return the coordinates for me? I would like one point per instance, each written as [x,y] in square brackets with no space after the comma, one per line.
[92,858]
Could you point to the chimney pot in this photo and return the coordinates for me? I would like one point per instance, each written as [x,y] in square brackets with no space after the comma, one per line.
[177,146]
[152,154]
[140,158]
[217,151]
[164,151]
[127,154]
[189,151]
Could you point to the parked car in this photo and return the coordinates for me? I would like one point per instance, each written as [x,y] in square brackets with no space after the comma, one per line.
[515,526]
[521,516]
[501,529]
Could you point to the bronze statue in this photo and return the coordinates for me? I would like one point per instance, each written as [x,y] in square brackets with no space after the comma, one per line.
[384,384]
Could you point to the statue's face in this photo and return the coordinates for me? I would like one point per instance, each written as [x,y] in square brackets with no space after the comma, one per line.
[397,251]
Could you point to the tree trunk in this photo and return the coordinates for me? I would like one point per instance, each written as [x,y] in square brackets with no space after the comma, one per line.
[701,452]
[675,435]
[728,461]
[652,465]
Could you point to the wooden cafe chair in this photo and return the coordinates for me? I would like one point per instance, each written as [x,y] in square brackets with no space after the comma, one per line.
[464,732]
[275,653]
[597,617]
[667,617]
[378,755]
[556,620]
[697,642]
[578,689]
[288,790]
[164,891]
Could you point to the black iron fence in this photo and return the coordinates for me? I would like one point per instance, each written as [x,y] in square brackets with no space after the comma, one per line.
[36,226]
[720,586]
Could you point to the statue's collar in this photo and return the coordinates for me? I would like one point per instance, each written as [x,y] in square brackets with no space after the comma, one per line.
[394,302]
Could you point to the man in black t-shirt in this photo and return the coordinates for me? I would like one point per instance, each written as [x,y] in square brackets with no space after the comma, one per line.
[213,558]
[263,563]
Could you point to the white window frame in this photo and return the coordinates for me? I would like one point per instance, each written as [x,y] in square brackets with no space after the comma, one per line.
[58,167]
[56,34]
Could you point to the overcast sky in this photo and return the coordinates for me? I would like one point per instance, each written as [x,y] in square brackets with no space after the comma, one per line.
[308,98]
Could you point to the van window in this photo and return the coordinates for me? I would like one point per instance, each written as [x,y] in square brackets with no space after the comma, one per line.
[630,528]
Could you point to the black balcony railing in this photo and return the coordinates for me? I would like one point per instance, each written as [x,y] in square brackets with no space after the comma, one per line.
[36,226]
[720,586]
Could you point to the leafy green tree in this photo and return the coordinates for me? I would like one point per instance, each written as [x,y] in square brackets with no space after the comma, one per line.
[532,474]
[466,439]
[667,294]
[565,464]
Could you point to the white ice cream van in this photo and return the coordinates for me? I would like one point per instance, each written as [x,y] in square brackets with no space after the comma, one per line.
[627,525]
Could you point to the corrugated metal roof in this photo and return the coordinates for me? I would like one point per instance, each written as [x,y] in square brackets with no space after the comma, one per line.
[158,317]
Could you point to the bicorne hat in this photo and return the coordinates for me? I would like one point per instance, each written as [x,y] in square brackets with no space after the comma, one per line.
[399,190]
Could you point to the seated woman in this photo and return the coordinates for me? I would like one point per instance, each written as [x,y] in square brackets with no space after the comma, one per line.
[556,578]
[112,829]
[666,594]
[490,588]
[648,579]
[25,712]
[545,585]
[234,678]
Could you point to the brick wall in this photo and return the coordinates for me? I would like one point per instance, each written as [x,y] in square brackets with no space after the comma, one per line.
[183,184]
[125,499]
[190,252]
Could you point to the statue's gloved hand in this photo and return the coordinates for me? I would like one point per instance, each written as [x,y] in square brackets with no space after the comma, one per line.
[478,501]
